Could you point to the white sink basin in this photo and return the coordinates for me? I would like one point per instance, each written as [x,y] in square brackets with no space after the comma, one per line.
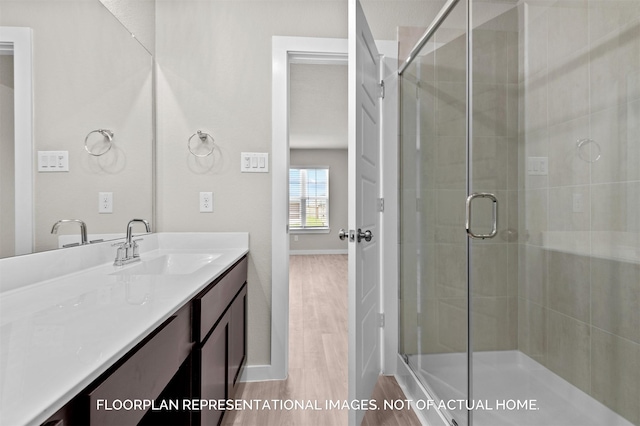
[169,264]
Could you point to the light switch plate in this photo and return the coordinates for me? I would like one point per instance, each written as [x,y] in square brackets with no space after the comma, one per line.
[254,162]
[537,166]
[53,161]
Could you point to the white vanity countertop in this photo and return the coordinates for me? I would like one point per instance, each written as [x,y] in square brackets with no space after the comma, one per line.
[58,335]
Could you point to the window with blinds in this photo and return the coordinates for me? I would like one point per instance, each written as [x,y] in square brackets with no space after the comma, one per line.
[308,198]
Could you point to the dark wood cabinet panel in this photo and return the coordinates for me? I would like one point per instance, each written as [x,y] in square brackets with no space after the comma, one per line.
[237,339]
[212,381]
[213,301]
[144,374]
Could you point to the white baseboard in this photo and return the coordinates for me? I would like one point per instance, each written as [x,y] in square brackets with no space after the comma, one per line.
[311,252]
[257,373]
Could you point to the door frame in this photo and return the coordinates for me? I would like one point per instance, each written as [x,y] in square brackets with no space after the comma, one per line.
[21,39]
[323,51]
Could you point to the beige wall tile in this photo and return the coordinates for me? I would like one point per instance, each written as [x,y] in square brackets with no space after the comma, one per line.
[568,349]
[632,128]
[565,166]
[569,208]
[452,323]
[451,109]
[568,29]
[491,324]
[535,102]
[614,207]
[615,297]
[568,285]
[489,269]
[615,373]
[535,220]
[533,274]
[451,270]
[451,168]
[532,330]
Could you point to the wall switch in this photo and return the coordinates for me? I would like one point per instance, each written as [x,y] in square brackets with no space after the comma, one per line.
[53,161]
[537,166]
[254,162]
[105,202]
[206,202]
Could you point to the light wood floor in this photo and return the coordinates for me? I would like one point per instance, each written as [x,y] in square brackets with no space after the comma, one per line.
[317,355]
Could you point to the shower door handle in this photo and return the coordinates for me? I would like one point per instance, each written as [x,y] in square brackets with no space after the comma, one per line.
[494,227]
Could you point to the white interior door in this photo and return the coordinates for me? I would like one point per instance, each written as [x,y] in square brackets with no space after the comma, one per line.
[364,217]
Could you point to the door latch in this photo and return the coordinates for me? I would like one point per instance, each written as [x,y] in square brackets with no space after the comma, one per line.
[366,235]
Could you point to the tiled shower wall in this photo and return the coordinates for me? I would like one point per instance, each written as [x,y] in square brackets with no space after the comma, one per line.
[561,281]
[434,189]
[579,276]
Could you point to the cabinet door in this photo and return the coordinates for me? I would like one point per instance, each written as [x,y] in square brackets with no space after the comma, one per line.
[145,373]
[237,338]
[213,371]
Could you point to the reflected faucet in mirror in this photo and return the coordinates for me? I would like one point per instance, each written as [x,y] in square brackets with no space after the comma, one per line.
[83,230]
[128,251]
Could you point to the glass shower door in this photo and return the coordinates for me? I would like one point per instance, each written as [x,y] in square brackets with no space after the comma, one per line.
[434,246]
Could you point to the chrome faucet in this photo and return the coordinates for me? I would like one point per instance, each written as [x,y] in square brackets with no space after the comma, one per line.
[83,229]
[128,251]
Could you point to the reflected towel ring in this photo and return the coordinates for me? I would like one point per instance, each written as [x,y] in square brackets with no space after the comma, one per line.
[203,138]
[584,142]
[108,137]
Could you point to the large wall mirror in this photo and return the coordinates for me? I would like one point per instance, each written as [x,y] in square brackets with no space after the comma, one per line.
[88,76]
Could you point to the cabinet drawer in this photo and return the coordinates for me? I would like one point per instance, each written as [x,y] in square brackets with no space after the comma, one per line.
[210,306]
[144,374]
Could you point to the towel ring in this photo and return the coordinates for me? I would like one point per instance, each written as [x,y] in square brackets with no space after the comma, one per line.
[203,138]
[582,143]
[108,136]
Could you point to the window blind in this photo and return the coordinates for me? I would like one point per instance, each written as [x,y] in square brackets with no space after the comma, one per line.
[308,198]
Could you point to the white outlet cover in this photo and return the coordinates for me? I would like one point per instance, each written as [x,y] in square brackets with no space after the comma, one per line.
[206,202]
[105,202]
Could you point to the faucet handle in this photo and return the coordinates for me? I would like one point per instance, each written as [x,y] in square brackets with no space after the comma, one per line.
[120,254]
[136,249]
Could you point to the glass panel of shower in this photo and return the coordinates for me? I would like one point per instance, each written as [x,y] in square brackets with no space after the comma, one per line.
[434,244]
[552,90]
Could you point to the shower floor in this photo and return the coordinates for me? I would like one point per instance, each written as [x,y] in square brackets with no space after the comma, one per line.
[511,376]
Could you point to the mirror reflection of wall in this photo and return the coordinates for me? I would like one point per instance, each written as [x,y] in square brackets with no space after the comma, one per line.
[88,74]
[7,193]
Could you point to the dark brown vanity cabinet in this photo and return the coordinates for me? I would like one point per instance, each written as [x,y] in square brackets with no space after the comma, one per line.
[144,374]
[196,354]
[220,329]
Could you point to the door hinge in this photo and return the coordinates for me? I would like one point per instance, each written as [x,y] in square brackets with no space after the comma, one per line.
[380,204]
[381,320]
[381,94]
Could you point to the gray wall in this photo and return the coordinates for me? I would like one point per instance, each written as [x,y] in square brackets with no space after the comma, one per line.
[7,183]
[214,74]
[85,79]
[336,159]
